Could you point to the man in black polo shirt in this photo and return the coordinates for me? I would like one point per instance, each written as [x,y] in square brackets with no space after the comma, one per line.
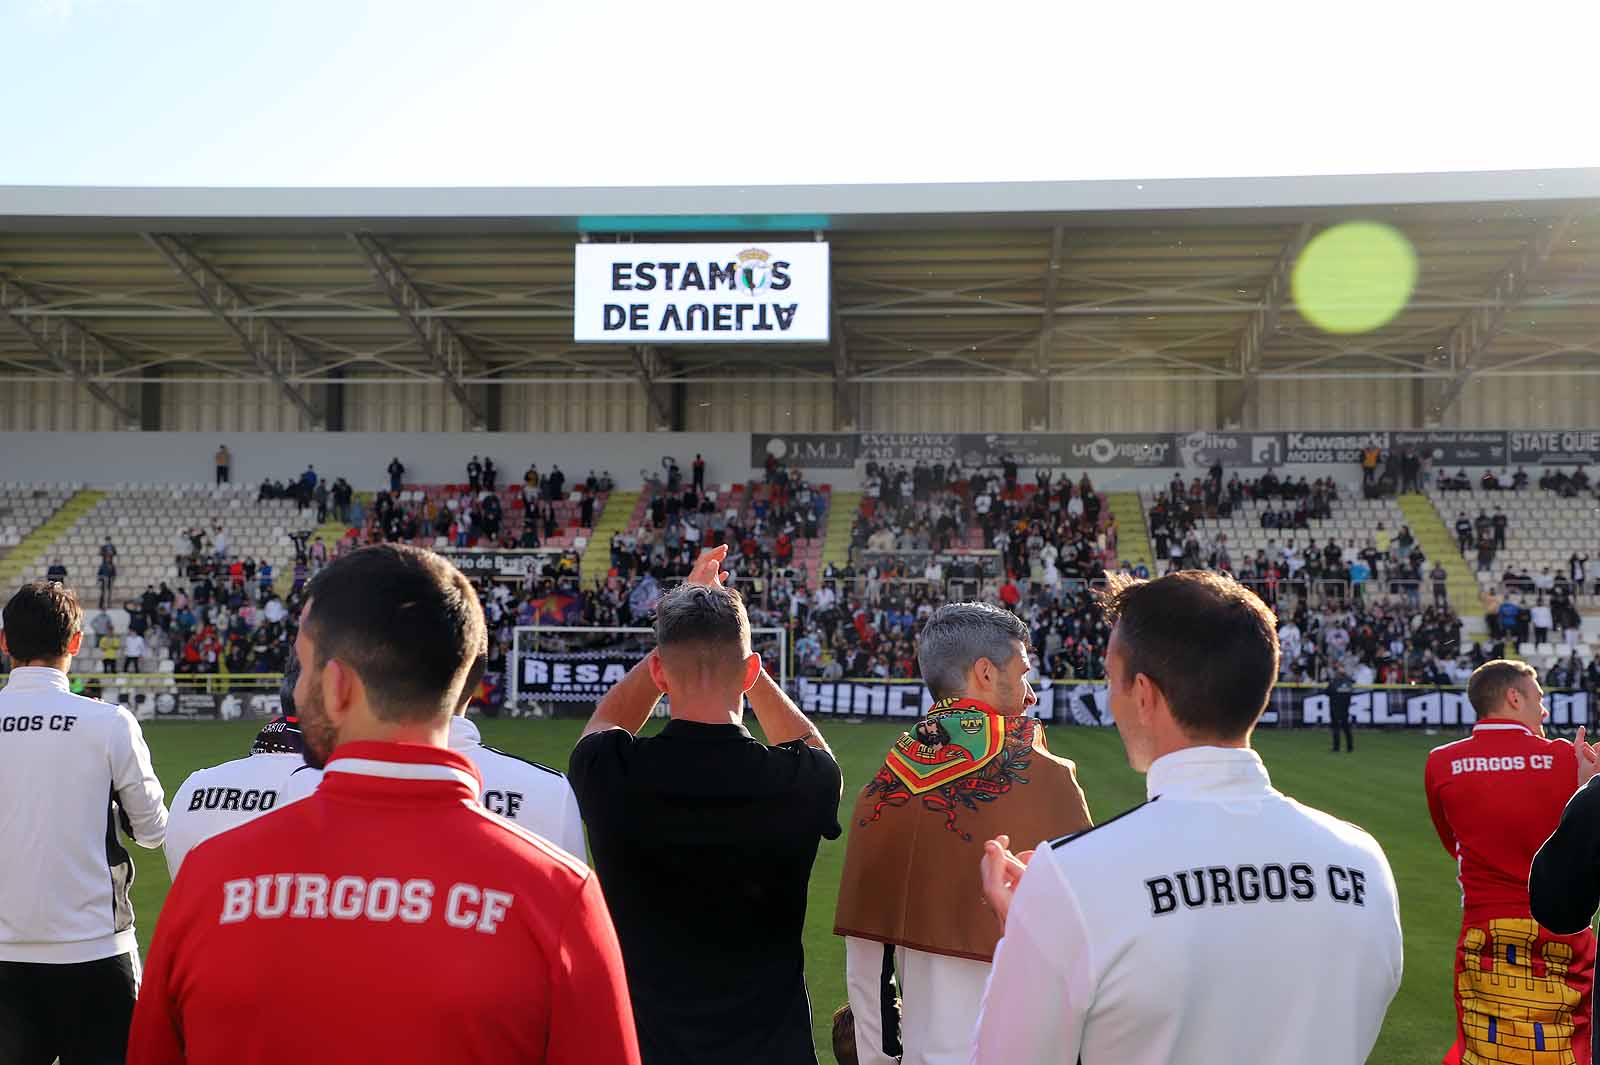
[704,837]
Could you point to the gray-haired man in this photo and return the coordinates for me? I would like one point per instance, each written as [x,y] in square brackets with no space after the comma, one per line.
[974,768]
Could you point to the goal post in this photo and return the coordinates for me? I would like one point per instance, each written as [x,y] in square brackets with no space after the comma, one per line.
[565,669]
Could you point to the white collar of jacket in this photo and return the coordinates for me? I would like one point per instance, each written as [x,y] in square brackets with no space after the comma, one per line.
[353,762]
[464,734]
[37,678]
[1202,773]
[1500,724]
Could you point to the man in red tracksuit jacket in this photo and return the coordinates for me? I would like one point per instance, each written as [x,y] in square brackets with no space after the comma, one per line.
[1523,993]
[417,926]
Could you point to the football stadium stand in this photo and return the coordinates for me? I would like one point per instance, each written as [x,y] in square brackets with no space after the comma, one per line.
[1546,534]
[1265,528]
[850,573]
[151,525]
[451,515]
[31,515]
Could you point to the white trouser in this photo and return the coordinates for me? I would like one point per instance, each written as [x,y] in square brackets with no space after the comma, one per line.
[939,998]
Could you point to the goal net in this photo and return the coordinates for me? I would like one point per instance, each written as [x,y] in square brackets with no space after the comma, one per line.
[563,670]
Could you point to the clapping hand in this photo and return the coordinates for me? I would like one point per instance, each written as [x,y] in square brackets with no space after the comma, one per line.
[708,568]
[1002,872]
[707,571]
[1588,758]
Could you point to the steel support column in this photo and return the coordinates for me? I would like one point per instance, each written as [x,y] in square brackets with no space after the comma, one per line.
[274,352]
[1036,397]
[1471,336]
[650,365]
[448,352]
[1237,398]
[846,394]
[150,401]
[68,346]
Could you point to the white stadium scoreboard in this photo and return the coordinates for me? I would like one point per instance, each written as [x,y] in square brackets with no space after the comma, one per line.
[748,293]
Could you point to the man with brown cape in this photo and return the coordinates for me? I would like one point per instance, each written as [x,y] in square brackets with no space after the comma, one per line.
[911,907]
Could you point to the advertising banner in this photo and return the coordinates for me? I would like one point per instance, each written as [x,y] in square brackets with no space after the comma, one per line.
[1331,445]
[476,562]
[911,447]
[1074,450]
[1201,450]
[572,677]
[1085,703]
[806,451]
[1467,447]
[156,703]
[986,450]
[1555,447]
[699,293]
[1196,451]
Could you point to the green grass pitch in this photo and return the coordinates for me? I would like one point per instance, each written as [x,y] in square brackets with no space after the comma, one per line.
[1379,787]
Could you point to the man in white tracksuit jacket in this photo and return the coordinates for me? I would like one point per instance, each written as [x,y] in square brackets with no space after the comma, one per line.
[223,797]
[72,771]
[1221,922]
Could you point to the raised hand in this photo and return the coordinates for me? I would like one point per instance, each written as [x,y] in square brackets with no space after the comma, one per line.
[1588,757]
[708,568]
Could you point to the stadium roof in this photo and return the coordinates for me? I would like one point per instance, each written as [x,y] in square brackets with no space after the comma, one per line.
[981,282]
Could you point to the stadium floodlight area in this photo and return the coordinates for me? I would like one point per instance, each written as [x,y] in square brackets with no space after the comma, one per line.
[564,670]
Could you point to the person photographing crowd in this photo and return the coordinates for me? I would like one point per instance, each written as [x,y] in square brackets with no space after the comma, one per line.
[704,837]
[1219,922]
[485,943]
[72,772]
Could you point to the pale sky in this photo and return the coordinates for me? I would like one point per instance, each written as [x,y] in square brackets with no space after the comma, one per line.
[597,92]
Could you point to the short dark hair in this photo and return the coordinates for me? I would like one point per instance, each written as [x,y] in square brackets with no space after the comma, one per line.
[475,675]
[1487,687]
[40,621]
[408,623]
[1208,642]
[712,619]
[291,677]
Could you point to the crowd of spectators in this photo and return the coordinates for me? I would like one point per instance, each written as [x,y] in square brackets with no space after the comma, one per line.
[1484,535]
[1183,506]
[309,491]
[1385,472]
[928,531]
[1373,610]
[763,529]
[1052,531]
[1481,538]
[224,619]
[479,514]
[1377,641]
[1555,479]
[1356,607]
[1553,612]
[1389,562]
